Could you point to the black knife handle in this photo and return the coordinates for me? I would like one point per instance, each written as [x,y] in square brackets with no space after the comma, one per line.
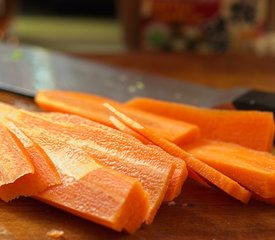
[256,100]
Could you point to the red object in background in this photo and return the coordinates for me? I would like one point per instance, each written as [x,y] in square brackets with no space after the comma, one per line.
[187,11]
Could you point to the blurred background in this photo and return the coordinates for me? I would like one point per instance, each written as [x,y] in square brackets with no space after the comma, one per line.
[109,26]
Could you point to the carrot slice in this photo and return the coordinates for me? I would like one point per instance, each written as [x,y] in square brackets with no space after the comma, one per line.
[250,129]
[175,182]
[179,176]
[90,106]
[15,164]
[122,127]
[221,181]
[76,171]
[88,189]
[102,196]
[253,169]
[44,176]
[153,167]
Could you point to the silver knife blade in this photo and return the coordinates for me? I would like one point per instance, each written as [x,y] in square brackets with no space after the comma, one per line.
[26,69]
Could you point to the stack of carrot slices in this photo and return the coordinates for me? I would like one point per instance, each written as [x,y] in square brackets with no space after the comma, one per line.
[116,163]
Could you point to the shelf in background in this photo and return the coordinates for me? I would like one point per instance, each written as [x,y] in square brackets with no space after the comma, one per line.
[71,34]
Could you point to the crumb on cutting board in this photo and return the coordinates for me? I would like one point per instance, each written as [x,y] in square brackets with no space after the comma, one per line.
[55,233]
[172,203]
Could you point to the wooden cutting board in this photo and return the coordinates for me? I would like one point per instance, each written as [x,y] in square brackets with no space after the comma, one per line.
[198,213]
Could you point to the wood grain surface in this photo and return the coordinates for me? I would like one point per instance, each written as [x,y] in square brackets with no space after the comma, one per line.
[199,212]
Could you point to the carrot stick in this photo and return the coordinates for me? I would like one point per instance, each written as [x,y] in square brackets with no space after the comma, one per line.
[90,106]
[44,176]
[85,189]
[221,181]
[180,172]
[109,147]
[250,129]
[179,176]
[88,189]
[253,169]
[123,204]
[122,127]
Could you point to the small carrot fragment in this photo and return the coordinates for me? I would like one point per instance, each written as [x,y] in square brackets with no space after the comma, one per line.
[252,129]
[90,106]
[223,182]
[253,169]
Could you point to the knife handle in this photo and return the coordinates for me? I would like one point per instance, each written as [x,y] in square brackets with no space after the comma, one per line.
[256,100]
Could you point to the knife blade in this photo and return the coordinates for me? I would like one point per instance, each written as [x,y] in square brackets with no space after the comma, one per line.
[26,70]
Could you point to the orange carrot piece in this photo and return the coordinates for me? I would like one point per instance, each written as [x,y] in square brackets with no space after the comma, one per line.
[88,189]
[250,129]
[122,127]
[221,181]
[174,188]
[131,207]
[175,182]
[253,169]
[153,167]
[180,174]
[90,106]
[44,176]
[102,196]
[15,163]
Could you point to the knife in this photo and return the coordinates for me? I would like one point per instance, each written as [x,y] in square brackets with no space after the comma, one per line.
[26,69]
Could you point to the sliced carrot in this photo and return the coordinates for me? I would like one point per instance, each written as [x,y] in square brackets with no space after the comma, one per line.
[44,176]
[250,129]
[253,169]
[101,196]
[122,127]
[90,106]
[178,177]
[223,182]
[14,161]
[180,173]
[134,201]
[152,166]
[88,189]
